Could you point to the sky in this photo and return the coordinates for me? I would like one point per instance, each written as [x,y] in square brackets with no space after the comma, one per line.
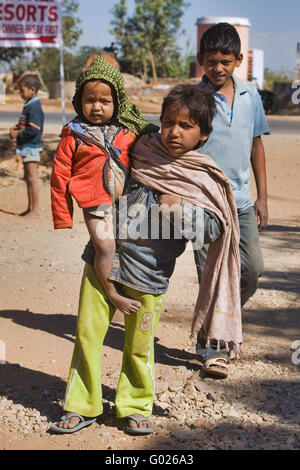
[274,25]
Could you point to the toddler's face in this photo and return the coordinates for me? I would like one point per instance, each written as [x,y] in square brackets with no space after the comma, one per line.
[179,133]
[97,102]
[26,93]
[219,67]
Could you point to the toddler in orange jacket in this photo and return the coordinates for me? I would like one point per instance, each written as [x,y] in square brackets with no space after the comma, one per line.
[91,164]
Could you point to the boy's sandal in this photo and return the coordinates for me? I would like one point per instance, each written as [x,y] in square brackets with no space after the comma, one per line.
[82,423]
[216,366]
[138,430]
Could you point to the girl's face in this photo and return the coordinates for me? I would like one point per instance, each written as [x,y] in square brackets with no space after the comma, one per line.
[97,102]
[179,134]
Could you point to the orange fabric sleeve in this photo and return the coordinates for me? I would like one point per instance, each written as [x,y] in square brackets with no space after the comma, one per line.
[61,200]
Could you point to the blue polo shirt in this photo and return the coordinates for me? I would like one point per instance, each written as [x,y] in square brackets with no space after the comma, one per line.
[234,129]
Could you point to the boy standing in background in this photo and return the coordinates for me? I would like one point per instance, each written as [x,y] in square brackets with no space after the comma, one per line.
[28,133]
[235,142]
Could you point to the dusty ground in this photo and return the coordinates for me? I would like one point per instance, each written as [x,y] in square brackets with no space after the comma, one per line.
[256,407]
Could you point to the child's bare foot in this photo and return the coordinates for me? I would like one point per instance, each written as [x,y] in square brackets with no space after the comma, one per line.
[31,214]
[71,422]
[138,425]
[24,213]
[124,304]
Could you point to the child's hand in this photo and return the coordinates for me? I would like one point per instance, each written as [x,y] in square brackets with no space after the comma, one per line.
[169,201]
[13,132]
[261,212]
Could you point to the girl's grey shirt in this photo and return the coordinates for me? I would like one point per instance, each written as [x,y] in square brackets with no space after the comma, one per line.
[149,241]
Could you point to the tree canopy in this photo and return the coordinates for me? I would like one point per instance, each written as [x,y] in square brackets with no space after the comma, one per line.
[147,39]
[145,42]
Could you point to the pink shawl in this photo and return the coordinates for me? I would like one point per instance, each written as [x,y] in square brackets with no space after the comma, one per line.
[198,179]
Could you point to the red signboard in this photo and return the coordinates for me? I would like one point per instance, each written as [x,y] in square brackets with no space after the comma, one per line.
[30,23]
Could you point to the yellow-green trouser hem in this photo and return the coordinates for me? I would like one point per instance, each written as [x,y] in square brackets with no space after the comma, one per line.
[136,386]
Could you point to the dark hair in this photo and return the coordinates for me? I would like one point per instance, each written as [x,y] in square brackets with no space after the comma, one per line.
[198,100]
[222,37]
[30,81]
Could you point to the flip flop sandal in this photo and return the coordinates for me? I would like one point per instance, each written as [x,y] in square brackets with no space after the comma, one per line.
[83,422]
[216,366]
[137,431]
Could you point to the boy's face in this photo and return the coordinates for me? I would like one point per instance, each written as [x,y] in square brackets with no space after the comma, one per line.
[219,67]
[179,133]
[97,102]
[26,93]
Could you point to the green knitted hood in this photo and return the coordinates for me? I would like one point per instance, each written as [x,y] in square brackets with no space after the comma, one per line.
[126,113]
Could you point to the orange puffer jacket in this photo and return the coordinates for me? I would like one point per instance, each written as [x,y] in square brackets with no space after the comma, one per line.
[81,169]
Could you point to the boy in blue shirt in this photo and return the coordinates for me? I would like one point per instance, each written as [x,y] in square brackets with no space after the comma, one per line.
[235,142]
[28,134]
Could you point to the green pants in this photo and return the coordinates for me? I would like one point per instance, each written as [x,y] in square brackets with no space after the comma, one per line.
[136,386]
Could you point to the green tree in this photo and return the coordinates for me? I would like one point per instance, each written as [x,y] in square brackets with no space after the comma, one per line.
[272,76]
[180,68]
[48,60]
[119,12]
[148,38]
[129,58]
[70,23]
[10,55]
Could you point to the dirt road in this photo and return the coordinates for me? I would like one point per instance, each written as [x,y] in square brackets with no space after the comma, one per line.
[256,407]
